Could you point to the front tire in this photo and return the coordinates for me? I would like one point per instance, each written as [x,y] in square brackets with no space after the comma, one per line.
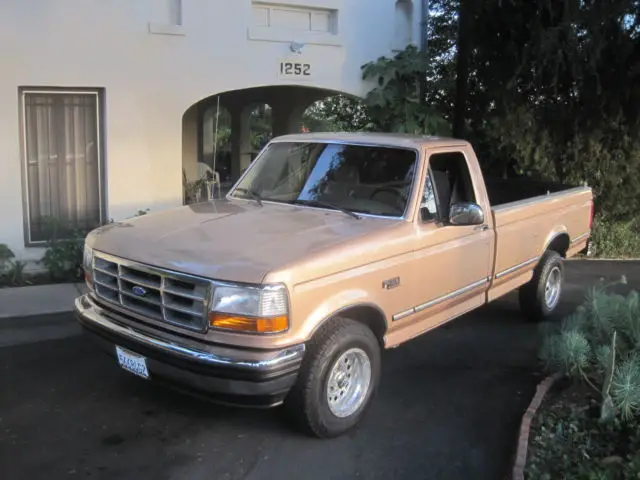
[337,380]
[540,297]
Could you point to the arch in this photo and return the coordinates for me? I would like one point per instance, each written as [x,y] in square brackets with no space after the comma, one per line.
[280,107]
[560,243]
[403,24]
[366,313]
[370,316]
[258,93]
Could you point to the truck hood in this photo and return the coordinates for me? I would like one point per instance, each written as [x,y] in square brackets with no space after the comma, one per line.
[229,240]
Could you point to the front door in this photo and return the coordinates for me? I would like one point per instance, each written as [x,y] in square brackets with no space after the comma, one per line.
[452,263]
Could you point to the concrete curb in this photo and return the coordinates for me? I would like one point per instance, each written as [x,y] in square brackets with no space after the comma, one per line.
[588,259]
[525,426]
[39,300]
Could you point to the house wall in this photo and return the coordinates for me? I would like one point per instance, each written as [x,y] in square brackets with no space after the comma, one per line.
[156,58]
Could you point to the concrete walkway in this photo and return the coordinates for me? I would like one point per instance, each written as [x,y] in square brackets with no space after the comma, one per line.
[39,300]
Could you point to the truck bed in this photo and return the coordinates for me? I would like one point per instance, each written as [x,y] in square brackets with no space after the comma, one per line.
[528,216]
[502,191]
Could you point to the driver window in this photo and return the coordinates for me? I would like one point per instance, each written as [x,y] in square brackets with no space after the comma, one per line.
[449,181]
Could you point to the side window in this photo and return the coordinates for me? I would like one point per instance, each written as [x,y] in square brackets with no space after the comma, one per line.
[449,181]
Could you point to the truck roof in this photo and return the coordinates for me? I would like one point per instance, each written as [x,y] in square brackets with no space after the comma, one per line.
[386,139]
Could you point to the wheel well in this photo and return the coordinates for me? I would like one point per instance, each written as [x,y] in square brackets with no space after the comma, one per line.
[560,244]
[368,315]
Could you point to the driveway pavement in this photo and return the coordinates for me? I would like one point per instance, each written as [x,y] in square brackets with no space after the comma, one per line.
[448,408]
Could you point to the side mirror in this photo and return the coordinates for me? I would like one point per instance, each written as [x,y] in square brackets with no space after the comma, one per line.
[466,214]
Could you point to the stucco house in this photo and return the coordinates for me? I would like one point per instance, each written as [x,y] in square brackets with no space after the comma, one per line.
[103,102]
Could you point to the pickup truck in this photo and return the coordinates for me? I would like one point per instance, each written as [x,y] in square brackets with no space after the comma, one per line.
[328,250]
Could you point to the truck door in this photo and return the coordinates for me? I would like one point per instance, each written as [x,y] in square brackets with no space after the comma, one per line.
[452,262]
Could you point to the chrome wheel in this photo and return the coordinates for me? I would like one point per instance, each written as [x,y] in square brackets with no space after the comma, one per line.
[348,382]
[552,288]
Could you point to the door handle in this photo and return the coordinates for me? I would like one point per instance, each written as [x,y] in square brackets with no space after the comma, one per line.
[482,228]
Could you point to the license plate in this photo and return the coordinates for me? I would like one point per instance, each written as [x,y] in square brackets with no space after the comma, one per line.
[132,362]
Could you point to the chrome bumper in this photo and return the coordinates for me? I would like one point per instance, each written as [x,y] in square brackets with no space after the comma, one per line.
[214,369]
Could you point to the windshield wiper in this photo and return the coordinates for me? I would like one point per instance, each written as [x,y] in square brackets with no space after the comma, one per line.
[318,203]
[252,193]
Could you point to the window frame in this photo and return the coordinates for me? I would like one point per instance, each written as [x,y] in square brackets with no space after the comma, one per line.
[429,154]
[428,178]
[99,95]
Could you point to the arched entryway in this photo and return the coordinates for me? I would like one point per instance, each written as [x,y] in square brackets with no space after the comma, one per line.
[223,133]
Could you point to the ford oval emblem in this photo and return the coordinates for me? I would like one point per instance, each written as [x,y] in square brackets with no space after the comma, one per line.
[139,291]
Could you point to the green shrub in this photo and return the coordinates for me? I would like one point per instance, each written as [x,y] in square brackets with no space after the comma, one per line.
[63,257]
[599,344]
[615,239]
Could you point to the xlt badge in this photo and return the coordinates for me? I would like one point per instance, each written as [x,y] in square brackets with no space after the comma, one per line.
[391,283]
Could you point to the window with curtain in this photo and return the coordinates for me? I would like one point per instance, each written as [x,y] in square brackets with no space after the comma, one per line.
[63,184]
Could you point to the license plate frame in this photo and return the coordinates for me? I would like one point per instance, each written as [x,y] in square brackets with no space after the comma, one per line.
[132,362]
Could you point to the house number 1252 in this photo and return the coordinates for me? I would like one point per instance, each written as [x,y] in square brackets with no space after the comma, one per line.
[295,69]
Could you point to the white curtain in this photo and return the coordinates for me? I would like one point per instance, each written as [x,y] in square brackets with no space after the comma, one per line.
[63,165]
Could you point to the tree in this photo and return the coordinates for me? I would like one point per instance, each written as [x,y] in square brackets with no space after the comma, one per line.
[462,66]
[337,113]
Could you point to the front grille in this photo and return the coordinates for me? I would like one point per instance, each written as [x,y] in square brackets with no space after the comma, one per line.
[166,296]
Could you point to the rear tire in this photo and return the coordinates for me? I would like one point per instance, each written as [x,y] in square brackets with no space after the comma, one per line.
[540,297]
[337,380]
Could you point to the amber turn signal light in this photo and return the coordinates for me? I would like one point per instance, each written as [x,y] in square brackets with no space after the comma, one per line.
[249,324]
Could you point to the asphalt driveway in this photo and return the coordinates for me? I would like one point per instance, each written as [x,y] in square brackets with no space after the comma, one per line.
[448,408]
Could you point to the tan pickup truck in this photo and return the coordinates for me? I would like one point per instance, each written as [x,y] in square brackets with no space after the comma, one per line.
[328,250]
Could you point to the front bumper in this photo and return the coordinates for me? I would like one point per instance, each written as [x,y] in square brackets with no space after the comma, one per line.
[227,375]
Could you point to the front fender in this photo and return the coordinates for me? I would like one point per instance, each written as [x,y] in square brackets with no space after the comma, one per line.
[334,305]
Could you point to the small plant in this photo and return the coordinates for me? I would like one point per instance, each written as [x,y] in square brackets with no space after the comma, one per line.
[63,254]
[600,345]
[64,250]
[63,258]
[15,275]
[6,257]
[11,270]
[192,190]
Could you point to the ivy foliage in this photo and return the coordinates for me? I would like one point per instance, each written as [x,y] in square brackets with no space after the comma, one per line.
[567,441]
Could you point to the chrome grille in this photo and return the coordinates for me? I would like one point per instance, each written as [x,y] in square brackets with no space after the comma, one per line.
[166,296]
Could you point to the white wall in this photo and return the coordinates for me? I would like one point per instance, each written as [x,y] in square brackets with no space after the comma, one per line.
[150,79]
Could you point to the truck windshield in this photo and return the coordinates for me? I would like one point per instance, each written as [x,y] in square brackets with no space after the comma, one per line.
[362,179]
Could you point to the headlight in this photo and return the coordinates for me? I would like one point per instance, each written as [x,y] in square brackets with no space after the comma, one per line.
[246,309]
[87,265]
